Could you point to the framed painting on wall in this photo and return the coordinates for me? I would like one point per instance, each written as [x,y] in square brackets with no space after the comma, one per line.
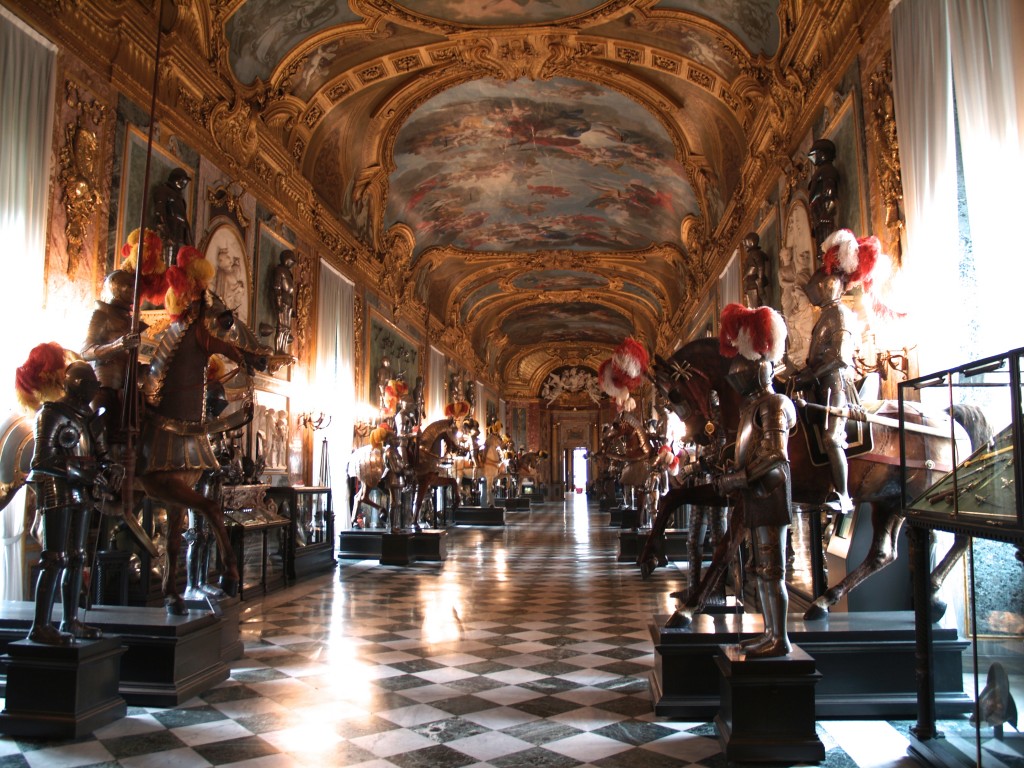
[383,340]
[270,431]
[225,250]
[133,171]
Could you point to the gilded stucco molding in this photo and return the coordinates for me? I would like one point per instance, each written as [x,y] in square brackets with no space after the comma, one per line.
[880,111]
[78,175]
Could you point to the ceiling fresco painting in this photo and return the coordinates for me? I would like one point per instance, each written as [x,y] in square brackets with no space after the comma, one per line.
[572,322]
[754,22]
[499,12]
[559,280]
[527,166]
[261,32]
[524,182]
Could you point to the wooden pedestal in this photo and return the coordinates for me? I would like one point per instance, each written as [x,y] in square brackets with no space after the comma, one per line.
[631,544]
[360,544]
[62,692]
[867,662]
[167,659]
[397,549]
[514,502]
[479,516]
[430,545]
[767,709]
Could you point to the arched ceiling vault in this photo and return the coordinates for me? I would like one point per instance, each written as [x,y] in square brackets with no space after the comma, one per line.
[536,179]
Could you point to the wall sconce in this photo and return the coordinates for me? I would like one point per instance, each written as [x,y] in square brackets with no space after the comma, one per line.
[314,420]
[884,360]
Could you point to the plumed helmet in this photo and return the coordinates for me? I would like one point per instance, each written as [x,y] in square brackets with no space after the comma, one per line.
[756,334]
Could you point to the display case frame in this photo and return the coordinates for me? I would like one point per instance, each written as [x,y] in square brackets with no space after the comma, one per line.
[981,497]
[311,512]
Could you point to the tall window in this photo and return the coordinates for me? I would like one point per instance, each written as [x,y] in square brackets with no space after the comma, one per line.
[27,66]
[955,87]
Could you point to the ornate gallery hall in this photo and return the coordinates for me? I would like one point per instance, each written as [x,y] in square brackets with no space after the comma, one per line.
[529,646]
[374,370]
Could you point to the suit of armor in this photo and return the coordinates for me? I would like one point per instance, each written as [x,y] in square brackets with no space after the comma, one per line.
[282,297]
[761,479]
[108,345]
[830,365]
[65,473]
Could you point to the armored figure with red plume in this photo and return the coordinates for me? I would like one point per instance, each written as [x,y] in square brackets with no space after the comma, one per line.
[760,476]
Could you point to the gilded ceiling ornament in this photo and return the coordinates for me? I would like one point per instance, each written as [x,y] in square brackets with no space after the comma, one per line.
[234,131]
[77,176]
[570,381]
[538,57]
[222,197]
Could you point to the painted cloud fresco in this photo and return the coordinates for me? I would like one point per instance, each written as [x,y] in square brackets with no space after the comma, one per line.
[755,22]
[575,322]
[526,166]
[499,12]
[261,32]
[559,280]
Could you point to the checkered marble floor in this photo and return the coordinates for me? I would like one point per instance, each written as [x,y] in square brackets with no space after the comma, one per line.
[527,647]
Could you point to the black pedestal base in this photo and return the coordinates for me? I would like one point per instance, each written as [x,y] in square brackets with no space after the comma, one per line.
[631,544]
[430,545]
[767,710]
[397,549]
[167,659]
[62,692]
[228,611]
[479,516]
[514,502]
[360,544]
[867,662]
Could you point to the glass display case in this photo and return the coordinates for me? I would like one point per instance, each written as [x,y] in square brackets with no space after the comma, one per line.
[976,506]
[310,511]
[260,537]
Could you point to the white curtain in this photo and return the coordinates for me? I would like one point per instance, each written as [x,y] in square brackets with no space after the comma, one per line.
[963,47]
[333,390]
[27,75]
[984,81]
[436,378]
[923,98]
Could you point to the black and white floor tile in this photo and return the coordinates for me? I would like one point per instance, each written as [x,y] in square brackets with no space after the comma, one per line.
[528,647]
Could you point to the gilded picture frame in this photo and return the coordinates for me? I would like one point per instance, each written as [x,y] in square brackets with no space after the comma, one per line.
[224,247]
[133,169]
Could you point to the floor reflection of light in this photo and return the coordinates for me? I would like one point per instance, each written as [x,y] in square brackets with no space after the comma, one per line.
[442,614]
[580,517]
[499,564]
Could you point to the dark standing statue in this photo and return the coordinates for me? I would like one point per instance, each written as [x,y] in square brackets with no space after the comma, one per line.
[823,190]
[756,267]
[68,476]
[282,299]
[170,214]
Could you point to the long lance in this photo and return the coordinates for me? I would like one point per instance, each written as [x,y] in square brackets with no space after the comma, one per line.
[130,400]
[856,414]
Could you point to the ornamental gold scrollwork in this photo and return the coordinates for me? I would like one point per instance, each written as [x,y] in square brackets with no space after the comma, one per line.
[77,177]
[890,179]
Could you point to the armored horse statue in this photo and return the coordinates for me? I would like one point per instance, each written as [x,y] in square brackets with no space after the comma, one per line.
[429,464]
[626,443]
[697,369]
[376,465]
[174,448]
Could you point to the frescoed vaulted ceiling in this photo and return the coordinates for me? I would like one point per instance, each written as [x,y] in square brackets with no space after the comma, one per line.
[530,180]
